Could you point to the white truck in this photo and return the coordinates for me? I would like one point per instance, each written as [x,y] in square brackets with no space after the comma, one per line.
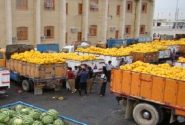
[4,80]
[96,65]
[115,60]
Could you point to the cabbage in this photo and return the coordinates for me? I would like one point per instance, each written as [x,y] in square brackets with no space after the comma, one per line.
[18,107]
[17,121]
[53,113]
[58,122]
[27,120]
[47,119]
[4,118]
[37,123]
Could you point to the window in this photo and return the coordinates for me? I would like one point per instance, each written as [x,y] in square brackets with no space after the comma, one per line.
[66,8]
[118,10]
[93,5]
[22,4]
[79,37]
[93,30]
[117,34]
[129,6]
[49,4]
[142,29]
[128,29]
[80,8]
[22,33]
[144,8]
[49,31]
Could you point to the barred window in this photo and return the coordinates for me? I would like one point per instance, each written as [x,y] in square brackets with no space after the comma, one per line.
[22,4]
[49,32]
[49,4]
[22,33]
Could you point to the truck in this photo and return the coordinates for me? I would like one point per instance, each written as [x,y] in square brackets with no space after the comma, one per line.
[4,74]
[33,77]
[148,97]
[96,65]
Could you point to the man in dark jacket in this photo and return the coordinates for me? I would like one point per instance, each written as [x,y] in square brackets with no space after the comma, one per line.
[83,81]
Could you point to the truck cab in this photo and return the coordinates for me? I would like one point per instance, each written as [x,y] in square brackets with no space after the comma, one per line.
[68,49]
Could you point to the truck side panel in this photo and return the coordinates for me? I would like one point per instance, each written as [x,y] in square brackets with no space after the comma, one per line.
[168,92]
[126,82]
[181,94]
[158,88]
[135,84]
[146,86]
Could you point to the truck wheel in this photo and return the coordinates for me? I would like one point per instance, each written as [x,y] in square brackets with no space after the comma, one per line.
[26,85]
[145,114]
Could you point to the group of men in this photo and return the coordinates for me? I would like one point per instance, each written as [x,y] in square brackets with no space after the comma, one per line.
[81,78]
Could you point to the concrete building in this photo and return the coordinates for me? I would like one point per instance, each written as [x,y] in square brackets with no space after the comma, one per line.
[66,21]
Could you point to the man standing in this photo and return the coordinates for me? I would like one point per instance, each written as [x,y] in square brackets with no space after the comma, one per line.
[83,81]
[109,67]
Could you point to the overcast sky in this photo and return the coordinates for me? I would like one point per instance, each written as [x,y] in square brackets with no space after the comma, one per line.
[166,9]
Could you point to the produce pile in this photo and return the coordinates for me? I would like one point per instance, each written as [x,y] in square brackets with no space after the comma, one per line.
[49,58]
[154,46]
[181,60]
[21,115]
[162,70]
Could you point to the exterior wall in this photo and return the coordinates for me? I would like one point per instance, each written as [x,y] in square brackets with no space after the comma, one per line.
[73,21]
[23,18]
[113,18]
[2,25]
[131,19]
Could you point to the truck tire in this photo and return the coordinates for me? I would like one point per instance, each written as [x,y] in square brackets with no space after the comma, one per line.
[146,114]
[26,86]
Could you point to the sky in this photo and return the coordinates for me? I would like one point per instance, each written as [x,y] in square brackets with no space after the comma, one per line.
[165,9]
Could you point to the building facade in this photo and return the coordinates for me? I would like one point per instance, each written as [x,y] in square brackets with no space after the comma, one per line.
[67,21]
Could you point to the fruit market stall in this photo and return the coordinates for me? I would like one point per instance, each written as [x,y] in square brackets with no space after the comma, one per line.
[20,113]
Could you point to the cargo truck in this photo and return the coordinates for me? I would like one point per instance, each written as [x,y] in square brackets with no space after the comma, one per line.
[148,97]
[32,76]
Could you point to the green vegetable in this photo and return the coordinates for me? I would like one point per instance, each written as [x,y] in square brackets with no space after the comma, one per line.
[4,117]
[19,107]
[37,123]
[47,119]
[2,124]
[35,114]
[25,111]
[58,122]
[17,121]
[27,120]
[53,113]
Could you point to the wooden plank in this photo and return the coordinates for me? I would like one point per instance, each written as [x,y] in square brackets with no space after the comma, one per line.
[126,82]
[135,84]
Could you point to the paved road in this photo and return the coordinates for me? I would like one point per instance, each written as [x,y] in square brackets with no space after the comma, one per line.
[92,109]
